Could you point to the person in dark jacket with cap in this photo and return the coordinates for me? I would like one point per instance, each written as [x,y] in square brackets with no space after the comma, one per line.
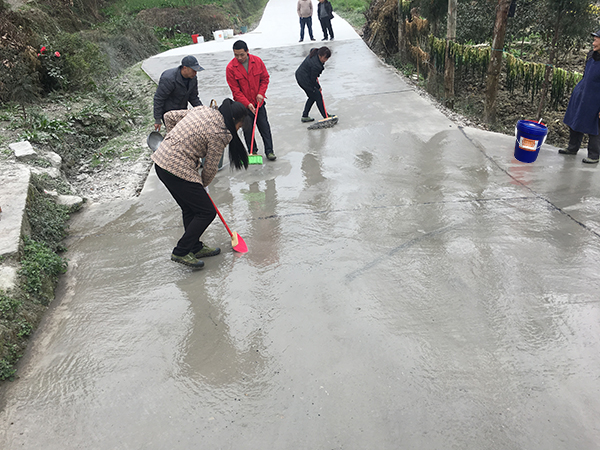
[307,76]
[583,112]
[176,88]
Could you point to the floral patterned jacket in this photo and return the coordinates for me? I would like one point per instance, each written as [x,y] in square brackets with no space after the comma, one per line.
[193,134]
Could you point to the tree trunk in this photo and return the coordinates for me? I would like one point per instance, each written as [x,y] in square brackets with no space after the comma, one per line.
[495,66]
[551,62]
[400,29]
[449,65]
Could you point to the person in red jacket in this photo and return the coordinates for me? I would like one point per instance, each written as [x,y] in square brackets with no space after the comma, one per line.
[248,80]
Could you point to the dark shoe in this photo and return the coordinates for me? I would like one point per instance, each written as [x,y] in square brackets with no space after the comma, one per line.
[307,119]
[564,151]
[590,161]
[207,251]
[324,39]
[188,260]
[312,39]
[331,39]
[301,40]
[271,156]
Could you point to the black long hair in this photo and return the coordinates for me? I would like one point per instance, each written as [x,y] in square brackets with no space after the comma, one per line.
[233,113]
[321,51]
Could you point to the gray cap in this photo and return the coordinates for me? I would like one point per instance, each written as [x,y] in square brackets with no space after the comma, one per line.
[191,62]
[596,34]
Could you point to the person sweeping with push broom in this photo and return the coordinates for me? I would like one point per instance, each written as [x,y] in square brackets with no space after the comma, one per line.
[248,80]
[307,76]
[202,132]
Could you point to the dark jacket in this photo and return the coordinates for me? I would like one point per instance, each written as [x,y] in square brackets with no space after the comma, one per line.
[328,10]
[174,92]
[308,72]
[584,105]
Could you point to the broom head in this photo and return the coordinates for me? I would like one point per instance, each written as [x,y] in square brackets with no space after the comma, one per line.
[238,244]
[255,159]
[324,123]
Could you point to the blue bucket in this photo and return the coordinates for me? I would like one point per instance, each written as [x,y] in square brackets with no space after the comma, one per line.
[530,137]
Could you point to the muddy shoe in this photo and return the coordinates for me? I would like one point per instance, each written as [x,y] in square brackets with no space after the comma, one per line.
[207,251]
[565,151]
[188,260]
[307,119]
[590,160]
[271,156]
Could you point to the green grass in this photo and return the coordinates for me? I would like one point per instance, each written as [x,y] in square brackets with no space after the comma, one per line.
[352,11]
[135,6]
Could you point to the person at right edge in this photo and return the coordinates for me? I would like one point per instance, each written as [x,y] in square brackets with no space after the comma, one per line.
[325,14]
[583,112]
[307,76]
[248,80]
[201,132]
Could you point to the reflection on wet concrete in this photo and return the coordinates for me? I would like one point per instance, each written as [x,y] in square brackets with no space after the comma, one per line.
[406,285]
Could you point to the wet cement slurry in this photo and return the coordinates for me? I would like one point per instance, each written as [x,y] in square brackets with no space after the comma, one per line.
[408,285]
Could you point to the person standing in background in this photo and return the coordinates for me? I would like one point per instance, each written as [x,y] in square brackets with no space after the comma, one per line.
[325,14]
[305,12]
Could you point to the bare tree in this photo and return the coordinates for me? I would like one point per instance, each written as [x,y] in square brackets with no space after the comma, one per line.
[495,65]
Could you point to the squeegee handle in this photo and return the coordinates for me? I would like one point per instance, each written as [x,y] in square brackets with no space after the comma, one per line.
[254,126]
[220,216]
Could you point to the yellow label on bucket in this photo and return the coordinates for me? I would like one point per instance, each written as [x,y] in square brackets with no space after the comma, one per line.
[528,144]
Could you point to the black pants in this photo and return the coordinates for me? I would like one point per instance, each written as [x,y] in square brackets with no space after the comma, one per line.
[326,27]
[308,22]
[197,210]
[575,138]
[263,127]
[313,97]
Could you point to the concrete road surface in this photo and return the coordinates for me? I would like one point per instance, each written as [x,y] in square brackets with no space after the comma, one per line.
[409,285]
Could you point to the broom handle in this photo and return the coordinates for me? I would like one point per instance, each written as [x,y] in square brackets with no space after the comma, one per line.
[325,109]
[254,127]
[220,216]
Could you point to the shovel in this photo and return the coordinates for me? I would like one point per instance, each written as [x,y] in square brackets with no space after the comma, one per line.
[237,242]
[154,139]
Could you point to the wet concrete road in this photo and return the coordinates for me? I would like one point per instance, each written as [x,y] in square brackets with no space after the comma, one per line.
[408,285]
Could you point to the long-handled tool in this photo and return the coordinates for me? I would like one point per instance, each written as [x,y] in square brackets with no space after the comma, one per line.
[237,242]
[252,157]
[328,122]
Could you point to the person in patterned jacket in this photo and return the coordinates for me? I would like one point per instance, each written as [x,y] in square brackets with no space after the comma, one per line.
[201,132]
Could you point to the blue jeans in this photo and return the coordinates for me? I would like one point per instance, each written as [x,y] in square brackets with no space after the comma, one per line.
[308,22]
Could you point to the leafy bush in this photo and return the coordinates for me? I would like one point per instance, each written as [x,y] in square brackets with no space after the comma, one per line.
[38,264]
[70,62]
[48,220]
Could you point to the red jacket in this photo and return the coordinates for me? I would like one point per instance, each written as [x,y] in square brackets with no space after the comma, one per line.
[245,86]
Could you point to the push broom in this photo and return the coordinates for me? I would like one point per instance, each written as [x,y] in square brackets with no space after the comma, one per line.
[328,122]
[252,157]
[237,242]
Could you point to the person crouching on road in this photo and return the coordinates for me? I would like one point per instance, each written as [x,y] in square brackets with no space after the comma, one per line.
[197,133]
[583,112]
[307,76]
